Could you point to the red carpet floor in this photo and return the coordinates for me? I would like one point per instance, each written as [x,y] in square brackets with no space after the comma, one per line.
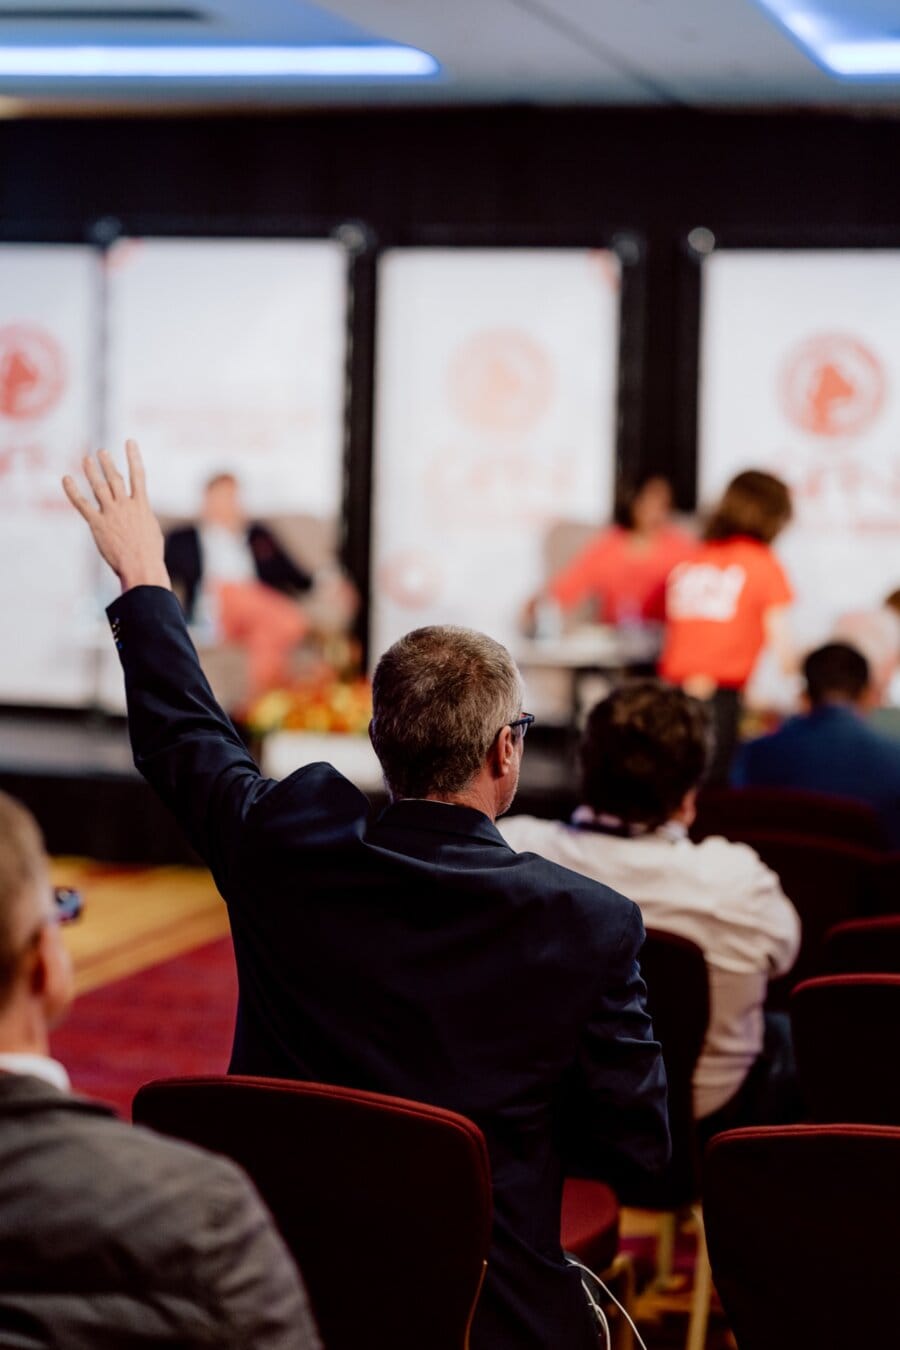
[171,1019]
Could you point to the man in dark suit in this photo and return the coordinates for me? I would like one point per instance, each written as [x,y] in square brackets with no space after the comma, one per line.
[830,747]
[415,954]
[110,1236]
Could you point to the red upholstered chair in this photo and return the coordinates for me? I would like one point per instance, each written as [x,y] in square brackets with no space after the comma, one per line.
[733,811]
[801,1221]
[827,882]
[847,1043]
[384,1203]
[863,946]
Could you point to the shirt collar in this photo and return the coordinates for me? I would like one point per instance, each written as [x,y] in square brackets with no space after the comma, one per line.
[586,818]
[418,813]
[37,1066]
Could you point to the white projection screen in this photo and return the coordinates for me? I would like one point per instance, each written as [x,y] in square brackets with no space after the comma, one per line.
[49,395]
[496,374]
[800,375]
[228,355]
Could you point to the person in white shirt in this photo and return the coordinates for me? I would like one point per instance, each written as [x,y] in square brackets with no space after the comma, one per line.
[643,755]
[111,1236]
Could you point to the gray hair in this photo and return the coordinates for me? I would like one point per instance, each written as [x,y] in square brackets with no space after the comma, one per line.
[440,695]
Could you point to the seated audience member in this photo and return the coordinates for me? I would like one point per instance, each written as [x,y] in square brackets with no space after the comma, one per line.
[643,754]
[876,634]
[623,570]
[727,603]
[830,747]
[111,1236]
[234,575]
[413,954]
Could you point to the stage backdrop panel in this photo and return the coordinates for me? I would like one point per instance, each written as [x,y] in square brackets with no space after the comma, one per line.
[228,355]
[49,384]
[495,417]
[800,375]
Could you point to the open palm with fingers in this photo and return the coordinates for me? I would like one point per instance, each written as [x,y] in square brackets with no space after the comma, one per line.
[125,530]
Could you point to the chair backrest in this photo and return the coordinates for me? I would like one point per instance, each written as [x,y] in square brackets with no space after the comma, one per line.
[678,999]
[826,880]
[863,946]
[384,1203]
[847,1043]
[733,811]
[798,1220]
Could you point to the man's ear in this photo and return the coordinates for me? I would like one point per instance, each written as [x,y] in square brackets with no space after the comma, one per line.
[502,753]
[39,965]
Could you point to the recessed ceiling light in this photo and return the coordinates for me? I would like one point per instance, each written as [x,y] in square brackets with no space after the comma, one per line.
[83,62]
[856,39]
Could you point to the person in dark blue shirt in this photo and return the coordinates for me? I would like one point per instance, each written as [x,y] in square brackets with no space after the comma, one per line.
[830,747]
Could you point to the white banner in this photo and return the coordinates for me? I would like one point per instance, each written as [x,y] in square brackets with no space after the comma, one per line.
[228,356]
[800,375]
[495,417]
[49,350]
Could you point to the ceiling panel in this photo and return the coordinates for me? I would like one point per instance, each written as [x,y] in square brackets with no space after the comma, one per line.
[697,52]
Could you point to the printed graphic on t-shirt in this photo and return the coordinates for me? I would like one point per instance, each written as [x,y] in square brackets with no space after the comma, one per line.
[702,591]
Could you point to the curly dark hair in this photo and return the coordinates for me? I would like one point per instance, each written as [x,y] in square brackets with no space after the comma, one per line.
[643,749]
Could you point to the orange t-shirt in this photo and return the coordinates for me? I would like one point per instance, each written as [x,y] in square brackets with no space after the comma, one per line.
[625,580]
[715,608]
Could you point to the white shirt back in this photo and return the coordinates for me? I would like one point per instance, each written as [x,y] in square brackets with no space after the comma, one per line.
[715,893]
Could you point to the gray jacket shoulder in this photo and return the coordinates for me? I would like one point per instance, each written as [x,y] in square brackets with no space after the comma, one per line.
[115,1236]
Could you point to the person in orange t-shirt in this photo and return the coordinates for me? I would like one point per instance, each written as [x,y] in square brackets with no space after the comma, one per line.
[728,602]
[624,569]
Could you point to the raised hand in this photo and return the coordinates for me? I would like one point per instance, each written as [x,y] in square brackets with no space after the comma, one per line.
[125,530]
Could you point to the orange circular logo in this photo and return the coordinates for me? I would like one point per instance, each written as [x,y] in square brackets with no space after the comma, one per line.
[501,380]
[833,385]
[32,372]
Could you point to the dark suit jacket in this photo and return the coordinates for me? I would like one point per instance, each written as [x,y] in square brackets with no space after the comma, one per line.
[418,955]
[112,1238]
[832,749]
[184,560]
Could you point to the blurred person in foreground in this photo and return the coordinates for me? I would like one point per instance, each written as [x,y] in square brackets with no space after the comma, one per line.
[643,754]
[415,954]
[830,747]
[111,1236]
[623,570]
[729,602]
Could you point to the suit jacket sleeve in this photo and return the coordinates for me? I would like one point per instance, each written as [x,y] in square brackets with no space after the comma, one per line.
[616,1109]
[187,748]
[246,1274]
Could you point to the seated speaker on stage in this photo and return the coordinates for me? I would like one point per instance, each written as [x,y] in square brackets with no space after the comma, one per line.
[237,583]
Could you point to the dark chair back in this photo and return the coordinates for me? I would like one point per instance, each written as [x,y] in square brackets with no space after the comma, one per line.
[798,1220]
[863,946]
[847,1043]
[678,999]
[384,1203]
[733,811]
[827,882]
[885,898]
